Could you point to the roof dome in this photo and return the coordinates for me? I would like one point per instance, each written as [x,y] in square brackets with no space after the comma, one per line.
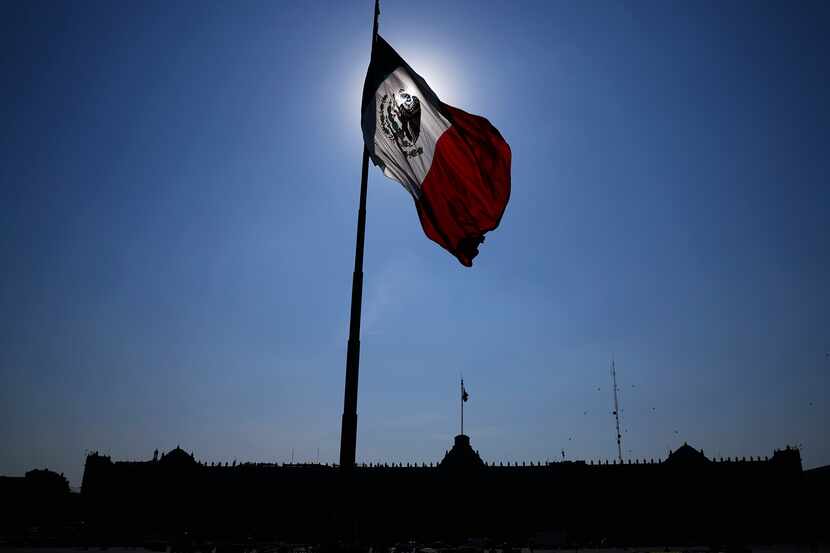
[686,454]
[178,456]
[462,456]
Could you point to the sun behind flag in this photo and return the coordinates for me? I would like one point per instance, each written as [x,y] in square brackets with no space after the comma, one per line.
[455,165]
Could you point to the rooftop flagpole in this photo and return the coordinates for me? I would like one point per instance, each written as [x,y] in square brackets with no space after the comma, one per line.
[348,432]
[464,397]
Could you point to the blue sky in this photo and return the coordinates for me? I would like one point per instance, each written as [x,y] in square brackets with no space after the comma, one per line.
[178,207]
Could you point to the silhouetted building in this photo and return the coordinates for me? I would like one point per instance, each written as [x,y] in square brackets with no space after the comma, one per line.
[685,496]
[39,501]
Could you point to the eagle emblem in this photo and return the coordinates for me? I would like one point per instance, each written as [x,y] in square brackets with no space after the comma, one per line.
[399,114]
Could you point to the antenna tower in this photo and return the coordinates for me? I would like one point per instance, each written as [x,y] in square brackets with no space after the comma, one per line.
[616,409]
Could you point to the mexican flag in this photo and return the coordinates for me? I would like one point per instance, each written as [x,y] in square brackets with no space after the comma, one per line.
[455,165]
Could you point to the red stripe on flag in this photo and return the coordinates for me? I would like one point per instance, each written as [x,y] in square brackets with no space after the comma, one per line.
[467,187]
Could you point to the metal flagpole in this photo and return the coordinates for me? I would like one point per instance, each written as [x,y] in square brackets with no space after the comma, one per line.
[462,406]
[348,432]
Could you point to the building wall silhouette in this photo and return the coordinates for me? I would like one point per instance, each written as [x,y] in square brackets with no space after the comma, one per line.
[40,499]
[685,497]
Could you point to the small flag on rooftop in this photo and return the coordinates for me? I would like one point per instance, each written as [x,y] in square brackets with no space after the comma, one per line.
[455,165]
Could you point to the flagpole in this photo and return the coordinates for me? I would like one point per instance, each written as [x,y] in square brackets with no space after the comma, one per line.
[348,432]
[462,406]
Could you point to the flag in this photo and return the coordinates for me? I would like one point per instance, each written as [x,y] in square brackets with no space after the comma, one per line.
[464,395]
[455,165]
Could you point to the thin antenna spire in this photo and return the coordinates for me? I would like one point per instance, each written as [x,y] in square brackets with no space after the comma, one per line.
[616,408]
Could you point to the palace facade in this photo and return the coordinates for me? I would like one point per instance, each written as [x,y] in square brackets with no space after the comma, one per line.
[686,496]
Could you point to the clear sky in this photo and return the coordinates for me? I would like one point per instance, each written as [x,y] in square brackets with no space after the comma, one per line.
[178,209]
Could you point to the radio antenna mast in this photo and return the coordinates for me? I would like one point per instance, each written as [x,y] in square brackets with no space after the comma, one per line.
[616,409]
